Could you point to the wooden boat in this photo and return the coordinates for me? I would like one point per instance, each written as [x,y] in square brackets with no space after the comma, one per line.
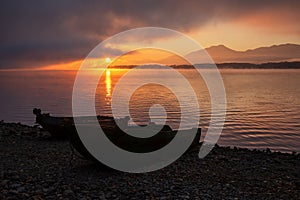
[63,127]
[59,127]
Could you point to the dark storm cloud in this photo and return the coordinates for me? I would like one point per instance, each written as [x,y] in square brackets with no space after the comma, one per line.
[36,32]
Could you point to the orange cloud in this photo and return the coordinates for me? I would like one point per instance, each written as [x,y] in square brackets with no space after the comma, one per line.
[64,66]
[149,56]
[138,57]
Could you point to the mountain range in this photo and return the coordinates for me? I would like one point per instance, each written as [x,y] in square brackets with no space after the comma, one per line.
[223,54]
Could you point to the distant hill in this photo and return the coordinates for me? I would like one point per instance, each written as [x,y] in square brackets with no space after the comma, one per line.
[223,54]
[270,65]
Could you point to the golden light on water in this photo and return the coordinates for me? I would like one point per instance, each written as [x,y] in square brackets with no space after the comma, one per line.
[108,86]
[107,72]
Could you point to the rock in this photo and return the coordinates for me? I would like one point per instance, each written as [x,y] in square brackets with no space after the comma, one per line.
[4,183]
[13,192]
[68,193]
[21,189]
[37,197]
[15,185]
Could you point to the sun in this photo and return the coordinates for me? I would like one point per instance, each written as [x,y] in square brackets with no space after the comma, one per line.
[107,60]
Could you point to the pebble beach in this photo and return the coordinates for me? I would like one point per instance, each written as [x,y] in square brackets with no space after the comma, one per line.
[36,166]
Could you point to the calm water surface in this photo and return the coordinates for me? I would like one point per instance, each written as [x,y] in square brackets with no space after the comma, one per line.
[263,106]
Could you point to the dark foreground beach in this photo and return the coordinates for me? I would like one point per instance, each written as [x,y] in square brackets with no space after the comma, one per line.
[36,166]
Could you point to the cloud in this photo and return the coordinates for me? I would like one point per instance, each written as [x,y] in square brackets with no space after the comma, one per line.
[35,32]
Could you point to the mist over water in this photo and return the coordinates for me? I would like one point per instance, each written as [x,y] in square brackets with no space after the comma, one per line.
[263,106]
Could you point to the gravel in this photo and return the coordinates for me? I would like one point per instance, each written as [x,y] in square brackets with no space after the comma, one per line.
[36,166]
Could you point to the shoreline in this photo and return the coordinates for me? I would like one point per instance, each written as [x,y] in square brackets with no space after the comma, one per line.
[45,133]
[36,166]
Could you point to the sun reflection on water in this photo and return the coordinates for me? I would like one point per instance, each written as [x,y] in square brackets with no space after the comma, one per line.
[108,87]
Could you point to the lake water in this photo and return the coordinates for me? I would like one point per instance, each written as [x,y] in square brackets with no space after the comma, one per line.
[263,106]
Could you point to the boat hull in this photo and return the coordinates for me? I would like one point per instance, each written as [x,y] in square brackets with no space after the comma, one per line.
[63,127]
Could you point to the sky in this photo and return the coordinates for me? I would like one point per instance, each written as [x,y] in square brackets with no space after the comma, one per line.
[36,33]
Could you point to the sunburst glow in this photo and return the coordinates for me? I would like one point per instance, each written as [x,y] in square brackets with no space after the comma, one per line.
[107,60]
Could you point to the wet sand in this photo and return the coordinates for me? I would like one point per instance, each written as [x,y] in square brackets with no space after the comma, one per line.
[36,166]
